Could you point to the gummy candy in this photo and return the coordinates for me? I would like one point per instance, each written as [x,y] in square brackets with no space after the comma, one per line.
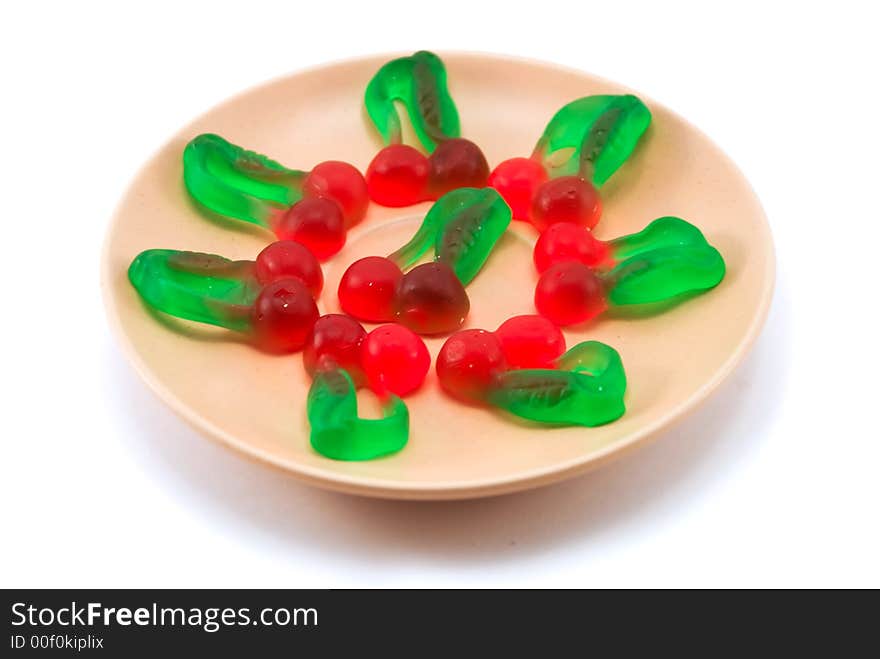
[584,143]
[601,132]
[395,359]
[583,386]
[463,226]
[400,175]
[582,276]
[270,299]
[419,82]
[338,432]
[314,208]
[340,356]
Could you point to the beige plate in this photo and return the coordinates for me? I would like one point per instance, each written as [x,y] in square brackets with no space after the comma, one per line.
[256,403]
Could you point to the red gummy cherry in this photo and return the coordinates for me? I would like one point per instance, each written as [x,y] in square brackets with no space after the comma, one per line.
[565,241]
[566,199]
[468,363]
[456,163]
[530,342]
[395,359]
[367,289]
[569,293]
[398,176]
[337,339]
[342,183]
[283,315]
[287,258]
[430,299]
[315,222]
[517,180]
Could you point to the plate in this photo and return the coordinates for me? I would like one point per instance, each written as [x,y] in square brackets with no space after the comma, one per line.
[255,403]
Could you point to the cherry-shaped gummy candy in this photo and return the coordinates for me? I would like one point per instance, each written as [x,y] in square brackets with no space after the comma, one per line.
[565,241]
[342,183]
[516,180]
[398,176]
[456,163]
[468,363]
[395,359]
[315,222]
[367,289]
[569,293]
[566,199]
[335,339]
[530,341]
[430,299]
[287,258]
[283,315]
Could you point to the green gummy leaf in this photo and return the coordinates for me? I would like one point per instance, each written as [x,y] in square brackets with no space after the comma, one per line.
[419,82]
[596,135]
[234,182]
[336,430]
[202,287]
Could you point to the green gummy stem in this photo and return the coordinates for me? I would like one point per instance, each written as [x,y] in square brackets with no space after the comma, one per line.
[234,182]
[589,393]
[599,134]
[202,287]
[664,273]
[338,432]
[464,226]
[419,83]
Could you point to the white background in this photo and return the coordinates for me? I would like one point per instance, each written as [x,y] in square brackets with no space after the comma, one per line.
[773,483]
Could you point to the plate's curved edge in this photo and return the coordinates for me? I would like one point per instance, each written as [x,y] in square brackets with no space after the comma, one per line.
[377,488]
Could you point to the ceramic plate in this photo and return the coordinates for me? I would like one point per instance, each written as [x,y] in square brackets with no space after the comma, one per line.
[255,403]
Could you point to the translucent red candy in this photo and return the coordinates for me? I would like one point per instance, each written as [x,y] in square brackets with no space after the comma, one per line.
[287,258]
[516,180]
[398,176]
[283,315]
[342,183]
[395,360]
[456,163]
[368,287]
[336,338]
[430,299]
[468,363]
[569,293]
[530,341]
[565,241]
[566,199]
[315,222]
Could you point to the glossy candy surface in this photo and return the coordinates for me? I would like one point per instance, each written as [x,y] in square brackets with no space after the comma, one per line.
[516,180]
[400,175]
[594,135]
[583,386]
[582,276]
[419,83]
[530,341]
[463,226]
[269,300]
[231,181]
[395,359]
[335,340]
[338,432]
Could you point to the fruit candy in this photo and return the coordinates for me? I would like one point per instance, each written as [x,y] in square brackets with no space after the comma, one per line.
[314,208]
[270,299]
[584,143]
[463,226]
[583,386]
[400,175]
[340,356]
[582,276]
